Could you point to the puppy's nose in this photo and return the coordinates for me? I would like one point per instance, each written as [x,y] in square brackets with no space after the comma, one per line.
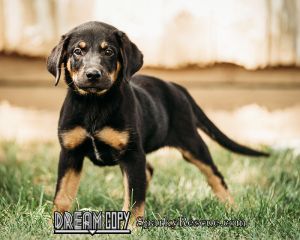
[93,73]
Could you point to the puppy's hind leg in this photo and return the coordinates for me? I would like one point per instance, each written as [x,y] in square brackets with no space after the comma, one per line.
[149,173]
[195,151]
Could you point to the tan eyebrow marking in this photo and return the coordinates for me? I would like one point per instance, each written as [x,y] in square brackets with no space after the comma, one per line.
[104,44]
[82,44]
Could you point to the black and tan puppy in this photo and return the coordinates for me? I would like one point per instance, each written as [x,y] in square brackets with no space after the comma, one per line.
[115,118]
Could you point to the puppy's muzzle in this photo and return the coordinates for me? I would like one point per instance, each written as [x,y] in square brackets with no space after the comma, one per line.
[93,74]
[94,81]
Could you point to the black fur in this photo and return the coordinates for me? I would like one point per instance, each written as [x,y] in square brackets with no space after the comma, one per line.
[154,112]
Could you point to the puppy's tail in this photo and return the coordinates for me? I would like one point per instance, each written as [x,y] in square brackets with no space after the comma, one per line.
[215,133]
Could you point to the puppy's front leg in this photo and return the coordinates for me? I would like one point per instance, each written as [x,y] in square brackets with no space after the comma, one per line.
[69,169]
[133,166]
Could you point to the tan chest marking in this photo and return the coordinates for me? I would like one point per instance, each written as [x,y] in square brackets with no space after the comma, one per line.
[114,138]
[74,137]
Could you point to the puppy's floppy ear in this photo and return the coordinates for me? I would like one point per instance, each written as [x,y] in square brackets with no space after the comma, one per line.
[132,57]
[57,57]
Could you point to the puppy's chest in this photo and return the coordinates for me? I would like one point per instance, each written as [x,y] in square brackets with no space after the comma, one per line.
[99,142]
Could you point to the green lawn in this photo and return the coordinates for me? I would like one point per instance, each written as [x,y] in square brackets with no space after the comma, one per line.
[266,191]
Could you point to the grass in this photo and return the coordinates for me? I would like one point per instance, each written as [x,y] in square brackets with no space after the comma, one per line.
[266,193]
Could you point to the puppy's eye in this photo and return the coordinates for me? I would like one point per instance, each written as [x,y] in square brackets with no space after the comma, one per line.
[108,52]
[77,51]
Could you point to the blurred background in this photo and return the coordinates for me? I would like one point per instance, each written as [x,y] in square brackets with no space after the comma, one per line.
[239,59]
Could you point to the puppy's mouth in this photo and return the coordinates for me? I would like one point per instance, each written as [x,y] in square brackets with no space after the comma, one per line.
[93,89]
[90,89]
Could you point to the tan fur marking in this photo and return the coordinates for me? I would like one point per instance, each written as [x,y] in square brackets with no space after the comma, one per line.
[114,74]
[104,44]
[114,138]
[148,177]
[80,91]
[214,181]
[101,92]
[67,191]
[126,204]
[69,66]
[72,73]
[74,76]
[72,138]
[138,211]
[82,44]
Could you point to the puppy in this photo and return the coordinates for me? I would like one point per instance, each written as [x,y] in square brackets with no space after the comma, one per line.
[115,118]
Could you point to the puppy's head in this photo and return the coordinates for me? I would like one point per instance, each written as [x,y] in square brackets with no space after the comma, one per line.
[95,55]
